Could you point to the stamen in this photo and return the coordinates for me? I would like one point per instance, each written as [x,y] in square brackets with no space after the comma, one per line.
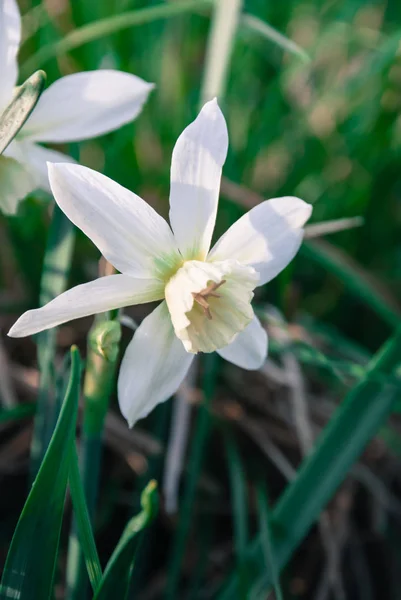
[202,297]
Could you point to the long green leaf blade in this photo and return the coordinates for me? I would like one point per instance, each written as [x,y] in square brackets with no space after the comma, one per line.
[29,570]
[356,421]
[84,526]
[117,575]
[263,29]
[20,108]
[265,538]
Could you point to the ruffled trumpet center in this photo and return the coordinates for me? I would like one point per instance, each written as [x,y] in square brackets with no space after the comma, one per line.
[210,303]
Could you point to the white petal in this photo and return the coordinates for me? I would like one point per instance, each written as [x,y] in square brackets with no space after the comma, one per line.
[85,105]
[127,231]
[34,158]
[154,365]
[10,33]
[105,293]
[16,182]
[249,349]
[197,161]
[267,237]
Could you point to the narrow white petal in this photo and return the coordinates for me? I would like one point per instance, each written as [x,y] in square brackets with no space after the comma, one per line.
[105,293]
[249,349]
[267,237]
[85,105]
[16,182]
[198,158]
[154,365]
[127,231]
[10,34]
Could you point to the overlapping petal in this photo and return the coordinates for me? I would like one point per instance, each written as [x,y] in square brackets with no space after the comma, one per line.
[100,295]
[127,231]
[16,182]
[154,365]
[34,158]
[197,161]
[86,105]
[249,349]
[10,34]
[267,237]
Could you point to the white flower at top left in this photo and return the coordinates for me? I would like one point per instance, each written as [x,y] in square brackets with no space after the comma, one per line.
[74,108]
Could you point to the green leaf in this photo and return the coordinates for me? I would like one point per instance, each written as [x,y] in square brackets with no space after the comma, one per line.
[103,27]
[265,538]
[31,560]
[21,106]
[83,522]
[355,422]
[263,29]
[22,411]
[240,511]
[355,279]
[117,575]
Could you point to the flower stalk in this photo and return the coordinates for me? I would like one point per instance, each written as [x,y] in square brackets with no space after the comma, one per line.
[103,347]
[219,48]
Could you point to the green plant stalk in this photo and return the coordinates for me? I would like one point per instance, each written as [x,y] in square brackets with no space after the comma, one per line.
[55,272]
[200,437]
[103,340]
[219,48]
[240,511]
[218,53]
[355,422]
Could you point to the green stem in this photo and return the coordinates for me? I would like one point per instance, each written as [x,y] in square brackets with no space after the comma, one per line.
[56,269]
[103,342]
[200,437]
[219,48]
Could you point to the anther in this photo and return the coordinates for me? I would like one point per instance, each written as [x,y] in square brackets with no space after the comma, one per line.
[202,296]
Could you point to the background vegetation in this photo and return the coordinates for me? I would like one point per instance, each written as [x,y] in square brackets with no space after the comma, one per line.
[314,114]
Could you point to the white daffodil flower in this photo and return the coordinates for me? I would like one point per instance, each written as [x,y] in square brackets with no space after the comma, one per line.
[74,108]
[206,294]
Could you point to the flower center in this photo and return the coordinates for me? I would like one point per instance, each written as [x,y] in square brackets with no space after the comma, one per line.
[209,292]
[203,319]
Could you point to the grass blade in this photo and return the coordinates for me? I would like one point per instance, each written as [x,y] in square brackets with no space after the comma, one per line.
[266,537]
[240,512]
[263,29]
[355,278]
[356,421]
[117,575]
[29,573]
[22,411]
[202,430]
[103,27]
[21,106]
[84,528]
